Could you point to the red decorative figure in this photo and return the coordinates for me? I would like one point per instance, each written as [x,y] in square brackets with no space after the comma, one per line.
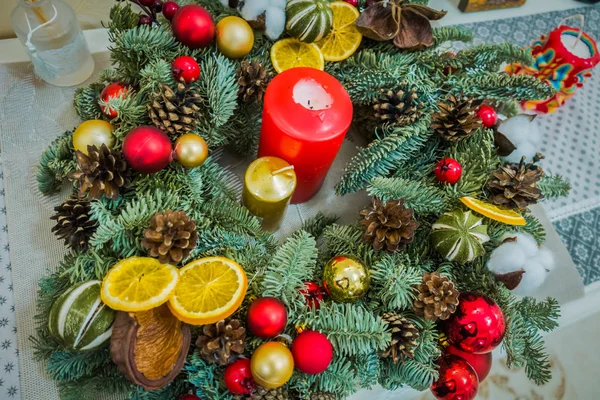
[481,363]
[312,352]
[457,381]
[238,377]
[147,149]
[187,68]
[313,294]
[193,26]
[448,170]
[267,317]
[114,90]
[478,324]
[169,8]
[487,115]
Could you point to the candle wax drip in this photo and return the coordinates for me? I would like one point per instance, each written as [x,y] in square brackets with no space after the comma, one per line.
[312,95]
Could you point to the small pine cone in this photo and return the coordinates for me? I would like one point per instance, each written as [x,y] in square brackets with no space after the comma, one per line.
[390,225]
[262,393]
[175,111]
[323,396]
[102,171]
[219,343]
[400,108]
[73,223]
[515,185]
[253,78]
[171,236]
[437,297]
[456,119]
[404,337]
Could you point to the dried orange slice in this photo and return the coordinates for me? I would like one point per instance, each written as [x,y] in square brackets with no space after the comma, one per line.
[291,53]
[138,284]
[209,290]
[344,38]
[494,212]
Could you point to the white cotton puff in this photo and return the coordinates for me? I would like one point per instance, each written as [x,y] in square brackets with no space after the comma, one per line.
[534,276]
[526,149]
[274,22]
[546,258]
[278,3]
[524,133]
[528,244]
[505,257]
[253,8]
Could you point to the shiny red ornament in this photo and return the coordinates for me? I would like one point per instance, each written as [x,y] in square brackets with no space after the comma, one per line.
[169,8]
[481,363]
[267,317]
[147,149]
[487,115]
[313,294]
[189,397]
[238,377]
[114,90]
[352,2]
[457,381]
[193,26]
[478,324]
[312,352]
[187,68]
[448,170]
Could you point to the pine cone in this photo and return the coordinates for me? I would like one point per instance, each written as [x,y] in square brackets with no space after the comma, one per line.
[262,393]
[323,396]
[175,111]
[515,185]
[401,108]
[437,297]
[73,224]
[404,337]
[220,342]
[101,171]
[456,119]
[390,225]
[171,236]
[253,79]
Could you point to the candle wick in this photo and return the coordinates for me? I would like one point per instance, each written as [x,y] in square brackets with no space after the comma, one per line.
[288,168]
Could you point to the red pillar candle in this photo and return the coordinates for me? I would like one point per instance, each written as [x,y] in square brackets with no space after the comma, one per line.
[306,115]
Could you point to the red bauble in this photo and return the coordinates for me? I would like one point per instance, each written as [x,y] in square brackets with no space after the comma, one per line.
[481,363]
[457,381]
[147,149]
[487,115]
[448,170]
[238,377]
[114,90]
[313,294]
[352,2]
[478,324]
[312,352]
[189,397]
[187,68]
[169,9]
[267,317]
[193,26]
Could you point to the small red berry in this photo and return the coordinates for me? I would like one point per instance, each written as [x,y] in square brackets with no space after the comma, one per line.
[145,20]
[448,170]
[313,294]
[169,8]
[157,5]
[352,2]
[487,115]
[187,68]
[238,377]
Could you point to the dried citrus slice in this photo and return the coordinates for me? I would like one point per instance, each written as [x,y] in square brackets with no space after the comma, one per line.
[209,289]
[138,284]
[291,53]
[494,212]
[344,38]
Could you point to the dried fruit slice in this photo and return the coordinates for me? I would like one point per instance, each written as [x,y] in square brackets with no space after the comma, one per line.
[344,38]
[494,212]
[291,53]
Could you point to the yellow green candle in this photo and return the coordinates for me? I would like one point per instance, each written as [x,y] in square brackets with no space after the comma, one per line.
[269,184]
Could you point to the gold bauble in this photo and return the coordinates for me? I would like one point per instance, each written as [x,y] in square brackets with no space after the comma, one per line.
[94,132]
[346,278]
[235,37]
[272,365]
[191,150]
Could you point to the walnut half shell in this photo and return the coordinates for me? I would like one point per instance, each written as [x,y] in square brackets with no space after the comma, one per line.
[150,347]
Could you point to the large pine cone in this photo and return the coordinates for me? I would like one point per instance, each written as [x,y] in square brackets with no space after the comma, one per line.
[101,171]
[262,393]
[456,119]
[323,396]
[437,297]
[515,185]
[73,223]
[175,111]
[219,343]
[390,225]
[404,337]
[253,78]
[171,236]
[400,108]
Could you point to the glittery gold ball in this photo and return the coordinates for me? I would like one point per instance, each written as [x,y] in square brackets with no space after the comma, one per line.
[272,365]
[191,150]
[235,37]
[94,132]
[346,278]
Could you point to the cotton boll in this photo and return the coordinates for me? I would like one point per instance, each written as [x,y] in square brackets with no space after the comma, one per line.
[253,8]
[526,149]
[506,258]
[534,276]
[545,257]
[274,22]
[278,4]
[528,244]
[517,129]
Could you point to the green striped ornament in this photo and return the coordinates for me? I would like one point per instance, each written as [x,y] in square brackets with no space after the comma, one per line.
[79,318]
[459,236]
[308,20]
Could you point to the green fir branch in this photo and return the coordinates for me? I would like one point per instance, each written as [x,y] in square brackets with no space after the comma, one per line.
[423,198]
[317,224]
[554,186]
[339,378]
[451,34]
[393,282]
[56,163]
[86,102]
[489,57]
[419,376]
[489,85]
[367,369]
[206,378]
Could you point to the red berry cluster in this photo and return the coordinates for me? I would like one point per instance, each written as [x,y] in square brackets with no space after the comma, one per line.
[152,7]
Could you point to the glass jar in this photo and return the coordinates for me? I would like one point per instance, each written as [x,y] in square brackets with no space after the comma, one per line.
[50,33]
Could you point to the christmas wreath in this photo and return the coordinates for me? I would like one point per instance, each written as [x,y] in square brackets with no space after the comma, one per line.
[171,288]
